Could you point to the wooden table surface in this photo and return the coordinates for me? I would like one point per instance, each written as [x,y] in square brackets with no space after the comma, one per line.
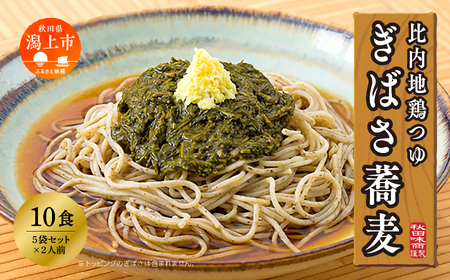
[15,16]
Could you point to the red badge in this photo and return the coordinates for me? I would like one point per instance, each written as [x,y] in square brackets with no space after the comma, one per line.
[50,48]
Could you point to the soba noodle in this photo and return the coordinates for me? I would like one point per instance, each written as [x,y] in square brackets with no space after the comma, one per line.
[308,182]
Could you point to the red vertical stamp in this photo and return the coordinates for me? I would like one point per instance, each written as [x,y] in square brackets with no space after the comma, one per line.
[417,240]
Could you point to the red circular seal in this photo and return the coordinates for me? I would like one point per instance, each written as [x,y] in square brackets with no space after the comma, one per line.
[50,48]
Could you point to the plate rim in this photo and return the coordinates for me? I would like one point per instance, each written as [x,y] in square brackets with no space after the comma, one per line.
[233,12]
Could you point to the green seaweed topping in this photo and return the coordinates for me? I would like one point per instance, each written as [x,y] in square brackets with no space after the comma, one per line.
[163,134]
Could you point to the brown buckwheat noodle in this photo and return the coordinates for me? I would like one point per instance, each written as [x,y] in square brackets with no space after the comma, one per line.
[308,182]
